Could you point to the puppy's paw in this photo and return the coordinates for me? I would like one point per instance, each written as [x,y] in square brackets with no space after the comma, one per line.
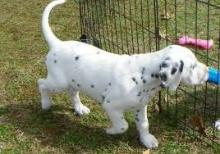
[149,141]
[46,104]
[81,110]
[114,131]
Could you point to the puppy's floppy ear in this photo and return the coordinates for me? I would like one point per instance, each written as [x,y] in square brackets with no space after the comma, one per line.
[170,73]
[181,66]
[163,73]
[176,77]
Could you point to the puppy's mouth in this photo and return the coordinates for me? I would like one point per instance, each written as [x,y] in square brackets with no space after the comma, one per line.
[166,86]
[207,75]
[163,86]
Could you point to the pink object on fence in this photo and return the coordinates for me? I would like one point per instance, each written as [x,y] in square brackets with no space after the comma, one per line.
[205,44]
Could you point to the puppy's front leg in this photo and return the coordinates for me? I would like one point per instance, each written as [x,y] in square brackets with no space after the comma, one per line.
[143,127]
[119,124]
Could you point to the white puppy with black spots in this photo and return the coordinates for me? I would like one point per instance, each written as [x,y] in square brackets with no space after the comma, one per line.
[119,82]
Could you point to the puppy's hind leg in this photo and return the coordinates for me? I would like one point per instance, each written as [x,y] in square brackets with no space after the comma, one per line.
[80,109]
[47,86]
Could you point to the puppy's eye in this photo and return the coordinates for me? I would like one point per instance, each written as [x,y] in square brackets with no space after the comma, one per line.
[164,65]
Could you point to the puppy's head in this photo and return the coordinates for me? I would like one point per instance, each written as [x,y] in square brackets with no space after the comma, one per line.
[181,66]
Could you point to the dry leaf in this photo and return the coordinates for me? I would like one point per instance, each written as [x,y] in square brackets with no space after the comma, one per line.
[165,16]
[146,151]
[156,108]
[197,122]
[163,35]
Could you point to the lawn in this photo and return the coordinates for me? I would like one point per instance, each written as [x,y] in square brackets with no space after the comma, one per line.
[25,128]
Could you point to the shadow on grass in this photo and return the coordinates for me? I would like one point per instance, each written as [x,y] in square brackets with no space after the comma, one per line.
[60,128]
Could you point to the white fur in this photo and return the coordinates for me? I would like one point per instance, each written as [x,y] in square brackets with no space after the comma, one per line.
[217,125]
[118,82]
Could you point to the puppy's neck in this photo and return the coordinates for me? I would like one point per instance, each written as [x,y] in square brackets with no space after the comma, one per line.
[146,67]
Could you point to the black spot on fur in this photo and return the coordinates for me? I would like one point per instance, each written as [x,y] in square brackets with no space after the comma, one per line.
[77,58]
[173,71]
[73,80]
[55,61]
[108,101]
[103,98]
[142,77]
[109,83]
[143,70]
[134,80]
[92,86]
[153,88]
[139,94]
[122,128]
[157,76]
[137,119]
[138,110]
[144,81]
[78,85]
[181,66]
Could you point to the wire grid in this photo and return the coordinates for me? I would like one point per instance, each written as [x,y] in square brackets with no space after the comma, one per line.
[140,26]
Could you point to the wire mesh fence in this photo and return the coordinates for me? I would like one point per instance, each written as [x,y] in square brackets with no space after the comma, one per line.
[140,26]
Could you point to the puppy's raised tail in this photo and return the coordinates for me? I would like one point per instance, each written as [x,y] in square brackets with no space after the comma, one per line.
[50,37]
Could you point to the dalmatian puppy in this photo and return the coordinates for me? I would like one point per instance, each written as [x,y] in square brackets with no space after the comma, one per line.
[119,82]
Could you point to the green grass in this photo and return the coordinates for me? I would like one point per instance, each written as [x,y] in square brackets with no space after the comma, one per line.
[25,128]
